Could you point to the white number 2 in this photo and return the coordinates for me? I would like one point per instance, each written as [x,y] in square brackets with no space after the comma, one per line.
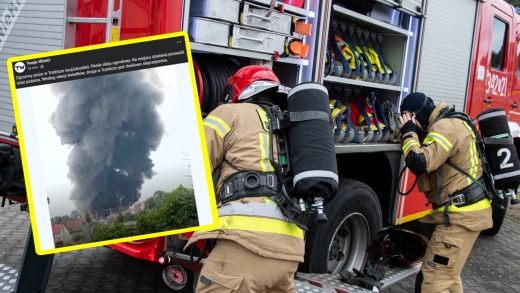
[504,164]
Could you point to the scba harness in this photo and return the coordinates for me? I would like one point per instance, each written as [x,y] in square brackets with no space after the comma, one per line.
[493,178]
[305,154]
[249,183]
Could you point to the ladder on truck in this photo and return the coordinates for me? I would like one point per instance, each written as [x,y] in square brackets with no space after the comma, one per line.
[35,269]
[112,21]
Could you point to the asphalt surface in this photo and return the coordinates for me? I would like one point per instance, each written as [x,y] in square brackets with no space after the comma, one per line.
[493,266]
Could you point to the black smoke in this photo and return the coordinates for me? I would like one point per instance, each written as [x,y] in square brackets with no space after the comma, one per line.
[113,125]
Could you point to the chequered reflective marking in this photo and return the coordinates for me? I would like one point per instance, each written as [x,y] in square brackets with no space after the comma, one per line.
[8,277]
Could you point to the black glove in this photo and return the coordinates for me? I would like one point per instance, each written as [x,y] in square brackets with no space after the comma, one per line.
[375,272]
[367,282]
[360,279]
[409,126]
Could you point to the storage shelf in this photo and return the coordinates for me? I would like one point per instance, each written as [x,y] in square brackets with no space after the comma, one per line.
[401,8]
[205,48]
[287,8]
[342,80]
[368,22]
[367,147]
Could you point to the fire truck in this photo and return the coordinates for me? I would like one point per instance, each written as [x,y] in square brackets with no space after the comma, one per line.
[463,52]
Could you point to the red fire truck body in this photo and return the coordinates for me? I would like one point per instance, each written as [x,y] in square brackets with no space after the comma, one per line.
[463,52]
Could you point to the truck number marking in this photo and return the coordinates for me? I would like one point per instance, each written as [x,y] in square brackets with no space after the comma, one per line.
[496,85]
[504,164]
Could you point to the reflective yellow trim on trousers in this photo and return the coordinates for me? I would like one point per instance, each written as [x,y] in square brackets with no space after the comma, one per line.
[474,161]
[481,205]
[257,224]
[408,145]
[443,141]
[264,148]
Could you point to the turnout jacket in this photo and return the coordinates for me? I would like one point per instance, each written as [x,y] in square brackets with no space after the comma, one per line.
[448,138]
[237,139]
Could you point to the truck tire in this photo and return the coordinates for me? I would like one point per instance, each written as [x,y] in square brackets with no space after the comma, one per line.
[354,218]
[498,218]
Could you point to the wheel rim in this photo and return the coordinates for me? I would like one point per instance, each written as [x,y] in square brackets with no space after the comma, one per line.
[175,277]
[347,249]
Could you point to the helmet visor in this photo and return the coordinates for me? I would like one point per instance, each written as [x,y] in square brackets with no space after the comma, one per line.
[255,88]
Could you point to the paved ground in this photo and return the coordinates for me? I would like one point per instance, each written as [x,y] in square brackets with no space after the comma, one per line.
[493,266]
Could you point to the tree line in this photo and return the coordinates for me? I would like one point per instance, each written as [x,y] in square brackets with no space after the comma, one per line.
[515,3]
[164,211]
[65,218]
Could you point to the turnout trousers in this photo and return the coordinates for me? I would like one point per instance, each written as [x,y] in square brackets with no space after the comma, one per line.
[444,259]
[230,267]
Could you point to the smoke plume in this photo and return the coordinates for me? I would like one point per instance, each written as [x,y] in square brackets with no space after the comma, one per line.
[113,125]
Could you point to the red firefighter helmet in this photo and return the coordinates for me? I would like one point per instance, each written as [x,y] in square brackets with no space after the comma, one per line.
[248,81]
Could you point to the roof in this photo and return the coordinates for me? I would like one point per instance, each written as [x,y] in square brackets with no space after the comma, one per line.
[56,229]
[139,207]
[74,224]
[113,216]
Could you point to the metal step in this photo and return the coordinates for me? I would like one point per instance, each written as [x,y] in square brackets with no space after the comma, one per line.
[330,283]
[305,287]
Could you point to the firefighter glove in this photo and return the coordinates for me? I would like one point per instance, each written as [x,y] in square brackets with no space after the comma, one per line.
[409,126]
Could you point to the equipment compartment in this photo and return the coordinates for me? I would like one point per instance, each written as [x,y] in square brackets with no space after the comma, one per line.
[224,10]
[257,40]
[209,31]
[218,33]
[255,16]
[382,50]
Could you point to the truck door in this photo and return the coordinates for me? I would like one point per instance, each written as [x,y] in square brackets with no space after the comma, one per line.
[514,110]
[498,74]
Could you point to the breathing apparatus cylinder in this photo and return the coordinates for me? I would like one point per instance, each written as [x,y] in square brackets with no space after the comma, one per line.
[500,149]
[311,152]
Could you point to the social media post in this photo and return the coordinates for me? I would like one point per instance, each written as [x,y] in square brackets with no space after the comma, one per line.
[116,153]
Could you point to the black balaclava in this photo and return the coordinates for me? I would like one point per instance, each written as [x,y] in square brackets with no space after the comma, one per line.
[420,105]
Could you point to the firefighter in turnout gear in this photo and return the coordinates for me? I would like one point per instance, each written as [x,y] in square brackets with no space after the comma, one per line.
[257,248]
[460,207]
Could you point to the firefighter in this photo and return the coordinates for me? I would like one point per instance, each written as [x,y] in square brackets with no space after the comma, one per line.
[257,248]
[460,207]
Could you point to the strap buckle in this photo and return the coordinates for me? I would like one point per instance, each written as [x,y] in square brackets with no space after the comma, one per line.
[270,181]
[226,190]
[458,199]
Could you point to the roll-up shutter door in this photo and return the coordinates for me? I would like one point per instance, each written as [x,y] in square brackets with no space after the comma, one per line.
[446,51]
[33,26]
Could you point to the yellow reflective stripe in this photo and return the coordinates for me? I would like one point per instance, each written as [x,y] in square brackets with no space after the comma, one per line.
[268,201]
[260,225]
[217,124]
[428,141]
[443,141]
[469,129]
[474,161]
[483,204]
[214,127]
[264,148]
[408,145]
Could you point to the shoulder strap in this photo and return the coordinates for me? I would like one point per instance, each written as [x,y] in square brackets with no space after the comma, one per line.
[451,164]
[487,176]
